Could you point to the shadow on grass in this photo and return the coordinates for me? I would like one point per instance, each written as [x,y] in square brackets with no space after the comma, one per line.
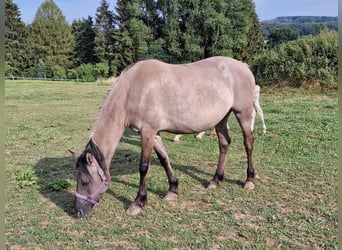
[50,172]
[54,172]
[198,175]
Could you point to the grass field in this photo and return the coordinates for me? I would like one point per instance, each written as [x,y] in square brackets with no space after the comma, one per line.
[294,205]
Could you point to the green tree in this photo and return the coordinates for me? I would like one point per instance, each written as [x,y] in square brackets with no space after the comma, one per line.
[105,35]
[281,35]
[50,36]
[135,35]
[15,40]
[170,31]
[41,69]
[84,33]
[196,29]
[255,40]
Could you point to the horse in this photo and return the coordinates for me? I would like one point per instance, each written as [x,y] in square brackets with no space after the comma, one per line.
[151,96]
[257,110]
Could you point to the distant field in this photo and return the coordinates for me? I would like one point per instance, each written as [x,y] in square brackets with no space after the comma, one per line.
[294,205]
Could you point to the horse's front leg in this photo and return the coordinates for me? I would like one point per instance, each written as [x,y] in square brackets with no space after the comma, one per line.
[160,150]
[145,160]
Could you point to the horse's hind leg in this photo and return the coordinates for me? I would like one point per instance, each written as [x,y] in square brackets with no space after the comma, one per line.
[176,139]
[224,142]
[244,119]
[165,162]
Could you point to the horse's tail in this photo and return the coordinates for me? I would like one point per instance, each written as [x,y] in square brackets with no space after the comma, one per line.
[257,108]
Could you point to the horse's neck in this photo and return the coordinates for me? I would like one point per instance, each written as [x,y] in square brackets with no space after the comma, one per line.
[109,126]
[108,141]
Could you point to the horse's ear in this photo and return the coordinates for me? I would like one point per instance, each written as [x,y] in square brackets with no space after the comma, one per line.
[89,158]
[74,154]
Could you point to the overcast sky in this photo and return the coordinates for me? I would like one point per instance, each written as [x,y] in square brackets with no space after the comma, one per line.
[266,9]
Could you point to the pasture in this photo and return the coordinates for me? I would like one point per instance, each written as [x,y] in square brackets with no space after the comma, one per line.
[294,205]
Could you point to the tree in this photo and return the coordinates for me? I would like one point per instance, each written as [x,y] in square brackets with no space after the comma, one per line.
[170,30]
[244,30]
[135,35]
[105,35]
[281,35]
[41,69]
[255,40]
[15,40]
[50,36]
[197,29]
[84,33]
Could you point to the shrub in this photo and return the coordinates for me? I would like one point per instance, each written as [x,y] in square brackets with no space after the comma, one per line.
[58,72]
[86,72]
[72,74]
[101,70]
[8,70]
[309,59]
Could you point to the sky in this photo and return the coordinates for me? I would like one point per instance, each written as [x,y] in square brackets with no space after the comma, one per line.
[265,9]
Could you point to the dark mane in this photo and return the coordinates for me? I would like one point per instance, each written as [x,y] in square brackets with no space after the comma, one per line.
[93,149]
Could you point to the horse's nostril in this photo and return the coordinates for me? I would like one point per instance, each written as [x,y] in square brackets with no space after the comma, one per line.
[79,214]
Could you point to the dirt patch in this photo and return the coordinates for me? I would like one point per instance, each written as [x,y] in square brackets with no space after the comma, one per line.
[17,247]
[44,223]
[284,208]
[173,239]
[270,242]
[231,235]
[77,234]
[248,219]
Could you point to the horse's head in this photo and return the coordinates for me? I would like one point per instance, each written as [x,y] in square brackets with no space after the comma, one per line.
[91,182]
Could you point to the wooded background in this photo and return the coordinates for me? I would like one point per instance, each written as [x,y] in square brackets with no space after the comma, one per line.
[290,50]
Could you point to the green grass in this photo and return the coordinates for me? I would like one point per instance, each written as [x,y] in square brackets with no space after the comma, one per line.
[294,205]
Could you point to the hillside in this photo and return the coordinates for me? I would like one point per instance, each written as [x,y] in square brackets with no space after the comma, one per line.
[303,25]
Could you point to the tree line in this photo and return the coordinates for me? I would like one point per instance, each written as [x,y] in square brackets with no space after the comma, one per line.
[177,31]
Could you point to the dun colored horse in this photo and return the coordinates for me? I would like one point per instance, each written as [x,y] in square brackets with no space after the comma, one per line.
[152,96]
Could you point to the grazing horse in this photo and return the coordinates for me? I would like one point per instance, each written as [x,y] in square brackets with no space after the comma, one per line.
[152,96]
[257,109]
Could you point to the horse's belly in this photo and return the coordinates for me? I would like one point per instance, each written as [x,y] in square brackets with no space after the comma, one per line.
[192,120]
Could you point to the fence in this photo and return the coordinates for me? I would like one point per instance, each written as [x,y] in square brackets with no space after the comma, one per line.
[44,79]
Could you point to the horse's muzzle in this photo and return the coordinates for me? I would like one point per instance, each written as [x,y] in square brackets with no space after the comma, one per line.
[82,208]
[83,213]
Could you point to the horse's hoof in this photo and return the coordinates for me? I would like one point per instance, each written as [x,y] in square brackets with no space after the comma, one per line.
[213,185]
[170,196]
[249,185]
[176,141]
[133,209]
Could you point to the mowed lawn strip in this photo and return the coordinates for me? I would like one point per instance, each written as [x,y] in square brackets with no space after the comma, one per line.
[294,205]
